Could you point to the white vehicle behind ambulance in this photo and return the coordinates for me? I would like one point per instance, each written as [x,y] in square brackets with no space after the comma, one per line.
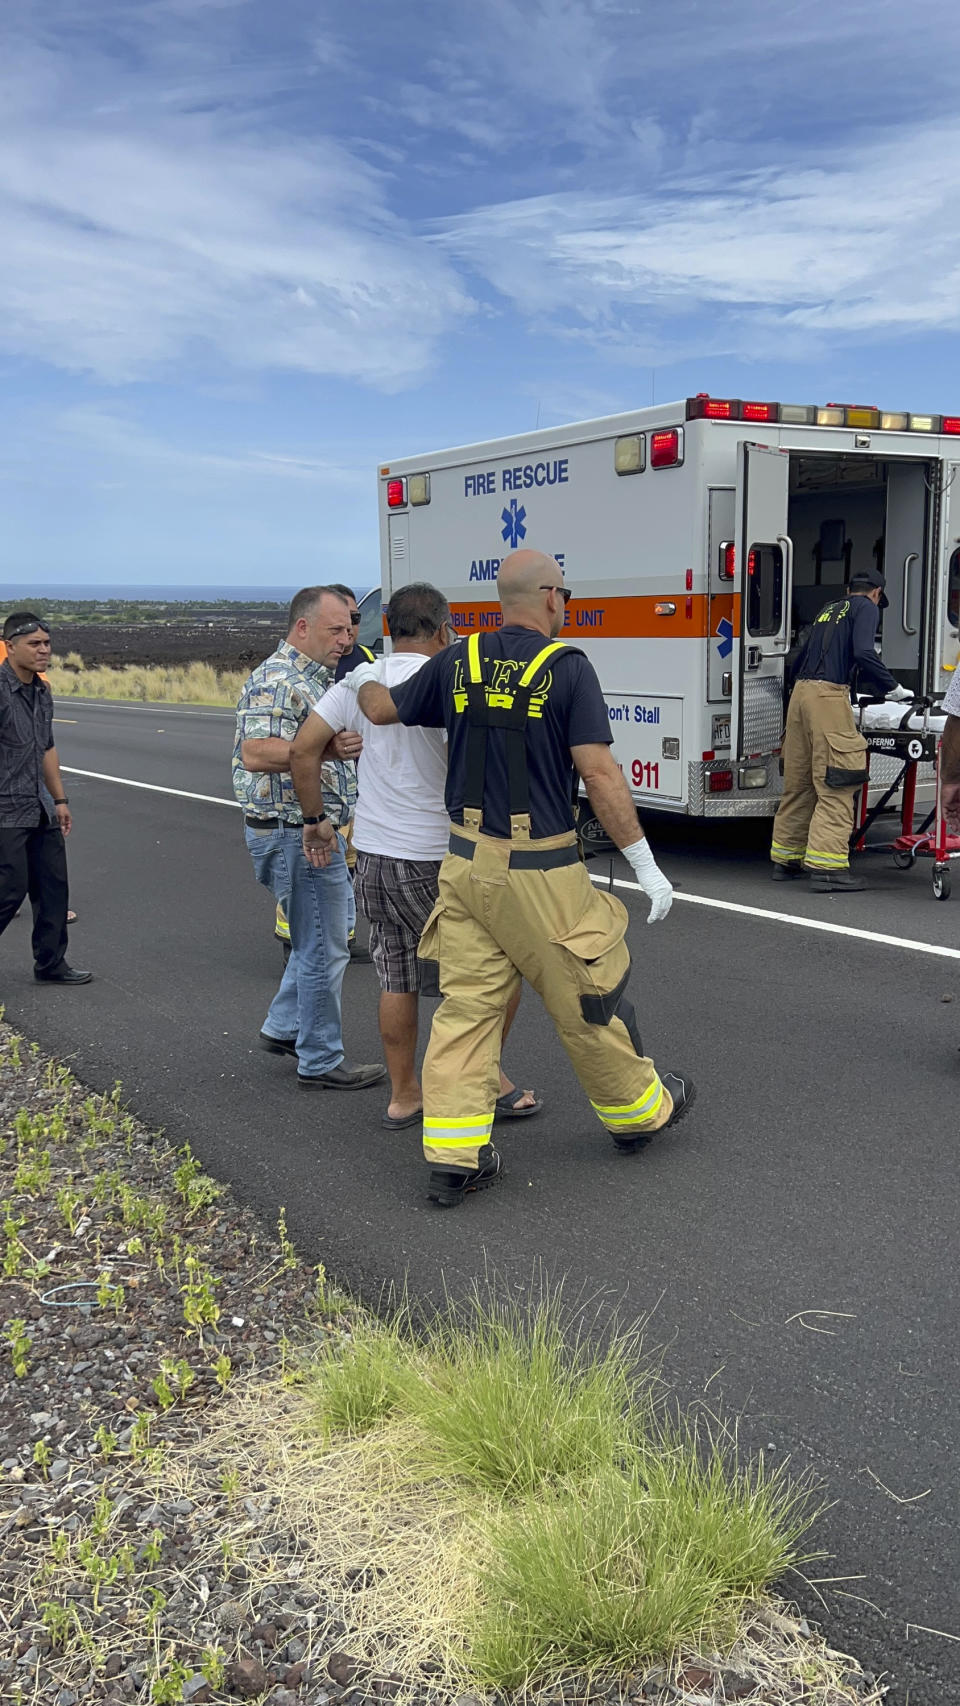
[699,538]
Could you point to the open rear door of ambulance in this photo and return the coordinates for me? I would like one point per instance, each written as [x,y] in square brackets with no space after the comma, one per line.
[765,571]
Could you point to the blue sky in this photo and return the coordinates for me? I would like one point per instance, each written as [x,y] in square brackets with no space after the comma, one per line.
[251,249]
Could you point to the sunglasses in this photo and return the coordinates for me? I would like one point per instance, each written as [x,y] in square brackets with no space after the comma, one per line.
[28,628]
[355,617]
[566,592]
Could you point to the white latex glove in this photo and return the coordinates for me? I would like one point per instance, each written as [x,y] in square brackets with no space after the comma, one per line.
[900,692]
[357,678]
[651,879]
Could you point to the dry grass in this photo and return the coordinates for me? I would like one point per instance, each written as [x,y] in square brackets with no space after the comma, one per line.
[402,1562]
[175,684]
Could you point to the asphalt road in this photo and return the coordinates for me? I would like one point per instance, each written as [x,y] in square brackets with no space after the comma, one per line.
[792,1249]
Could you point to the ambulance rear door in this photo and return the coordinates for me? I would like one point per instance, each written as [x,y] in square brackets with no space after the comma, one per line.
[764,557]
[947,637]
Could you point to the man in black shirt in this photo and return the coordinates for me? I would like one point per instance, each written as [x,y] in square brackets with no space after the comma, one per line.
[824,755]
[522,718]
[32,855]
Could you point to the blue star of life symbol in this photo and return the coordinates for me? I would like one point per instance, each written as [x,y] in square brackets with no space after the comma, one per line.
[725,633]
[513,520]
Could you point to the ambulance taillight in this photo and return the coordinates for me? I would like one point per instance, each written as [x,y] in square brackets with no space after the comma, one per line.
[666,448]
[727,566]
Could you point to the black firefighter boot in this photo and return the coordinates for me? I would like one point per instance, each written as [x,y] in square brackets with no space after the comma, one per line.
[836,882]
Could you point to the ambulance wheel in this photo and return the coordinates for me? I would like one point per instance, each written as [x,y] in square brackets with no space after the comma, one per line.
[903,861]
[941,882]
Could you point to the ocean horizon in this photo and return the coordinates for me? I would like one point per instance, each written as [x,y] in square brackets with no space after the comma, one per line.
[35,592]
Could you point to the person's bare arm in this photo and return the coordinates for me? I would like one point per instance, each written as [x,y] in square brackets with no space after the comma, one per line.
[377,704]
[54,781]
[608,793]
[306,757]
[950,774]
[613,803]
[269,754]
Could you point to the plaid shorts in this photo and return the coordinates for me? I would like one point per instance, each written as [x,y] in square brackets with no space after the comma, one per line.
[397,896]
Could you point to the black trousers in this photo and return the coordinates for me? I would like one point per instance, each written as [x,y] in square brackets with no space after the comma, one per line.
[34,862]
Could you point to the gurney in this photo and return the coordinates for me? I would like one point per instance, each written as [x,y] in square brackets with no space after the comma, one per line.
[909,733]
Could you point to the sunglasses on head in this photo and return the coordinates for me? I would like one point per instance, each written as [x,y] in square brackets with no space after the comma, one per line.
[28,628]
[566,592]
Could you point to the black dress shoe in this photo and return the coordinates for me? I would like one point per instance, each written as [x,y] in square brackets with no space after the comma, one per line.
[343,1078]
[359,955]
[63,974]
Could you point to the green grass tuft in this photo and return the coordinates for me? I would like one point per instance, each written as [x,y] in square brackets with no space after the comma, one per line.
[513,1397]
[623,1570]
[601,1535]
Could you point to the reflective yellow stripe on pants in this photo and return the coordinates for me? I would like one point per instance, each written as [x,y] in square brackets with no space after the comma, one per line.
[493,924]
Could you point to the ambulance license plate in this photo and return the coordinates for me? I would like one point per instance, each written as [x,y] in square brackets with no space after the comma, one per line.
[721,733]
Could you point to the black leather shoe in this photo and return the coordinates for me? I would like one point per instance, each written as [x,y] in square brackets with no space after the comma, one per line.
[278,1045]
[449,1185]
[63,974]
[343,1078]
[683,1093]
[785,873]
[836,882]
[359,955]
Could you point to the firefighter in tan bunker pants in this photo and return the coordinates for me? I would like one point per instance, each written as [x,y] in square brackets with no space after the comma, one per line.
[521,712]
[824,755]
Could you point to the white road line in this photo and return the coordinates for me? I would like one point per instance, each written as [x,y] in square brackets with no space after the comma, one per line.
[802,923]
[820,924]
[150,705]
[151,787]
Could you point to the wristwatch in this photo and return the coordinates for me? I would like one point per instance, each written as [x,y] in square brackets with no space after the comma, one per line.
[321,819]
[63,802]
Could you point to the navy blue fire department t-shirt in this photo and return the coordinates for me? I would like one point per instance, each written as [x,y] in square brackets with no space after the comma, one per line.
[573,713]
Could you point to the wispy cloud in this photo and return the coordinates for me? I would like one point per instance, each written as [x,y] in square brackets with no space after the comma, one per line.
[859,247]
[118,439]
[196,235]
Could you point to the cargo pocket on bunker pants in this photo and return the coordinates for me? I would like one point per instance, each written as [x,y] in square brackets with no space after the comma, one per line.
[428,956]
[846,761]
[600,961]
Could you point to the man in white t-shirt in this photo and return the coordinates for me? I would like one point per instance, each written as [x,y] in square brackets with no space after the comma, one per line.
[401,832]
[950,757]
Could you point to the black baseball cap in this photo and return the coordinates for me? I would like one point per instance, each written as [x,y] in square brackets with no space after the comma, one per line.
[870,578]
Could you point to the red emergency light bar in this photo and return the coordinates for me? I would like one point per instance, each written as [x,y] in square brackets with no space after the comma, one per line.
[703,407]
[706,408]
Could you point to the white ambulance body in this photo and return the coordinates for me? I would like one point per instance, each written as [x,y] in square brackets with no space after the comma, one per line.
[698,538]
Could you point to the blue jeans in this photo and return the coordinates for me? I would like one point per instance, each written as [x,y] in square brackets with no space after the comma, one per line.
[307,1004]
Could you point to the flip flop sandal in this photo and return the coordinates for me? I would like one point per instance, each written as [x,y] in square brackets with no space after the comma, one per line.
[71,918]
[507,1105]
[400,1122]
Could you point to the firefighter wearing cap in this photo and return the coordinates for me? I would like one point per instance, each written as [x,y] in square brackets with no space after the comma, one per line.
[523,711]
[824,755]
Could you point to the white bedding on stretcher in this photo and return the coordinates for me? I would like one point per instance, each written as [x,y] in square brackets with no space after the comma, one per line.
[889,716]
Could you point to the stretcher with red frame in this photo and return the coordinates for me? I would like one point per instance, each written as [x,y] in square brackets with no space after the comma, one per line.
[912,739]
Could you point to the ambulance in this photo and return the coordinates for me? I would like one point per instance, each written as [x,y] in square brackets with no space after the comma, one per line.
[699,538]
